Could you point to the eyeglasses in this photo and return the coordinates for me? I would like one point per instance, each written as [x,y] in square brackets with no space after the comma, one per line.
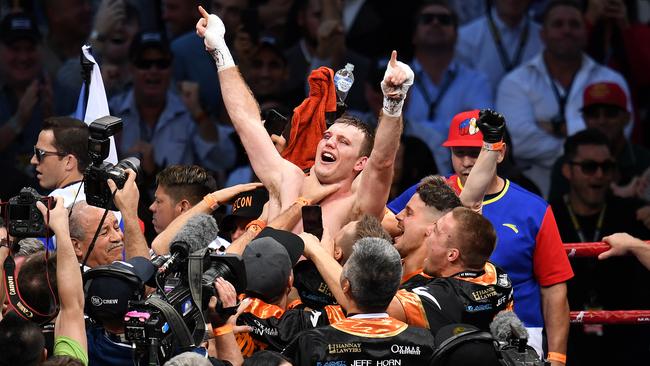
[41,154]
[443,19]
[160,64]
[589,167]
[609,111]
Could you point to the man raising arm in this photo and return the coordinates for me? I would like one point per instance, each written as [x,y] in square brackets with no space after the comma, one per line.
[345,150]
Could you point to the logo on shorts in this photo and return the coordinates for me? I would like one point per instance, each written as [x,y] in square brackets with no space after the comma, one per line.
[98,301]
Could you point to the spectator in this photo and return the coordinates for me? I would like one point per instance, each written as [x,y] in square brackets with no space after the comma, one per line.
[25,99]
[605,109]
[322,43]
[535,261]
[179,16]
[157,126]
[542,98]
[500,40]
[115,24]
[443,86]
[60,157]
[67,31]
[369,281]
[587,213]
[268,72]
[618,39]
[193,63]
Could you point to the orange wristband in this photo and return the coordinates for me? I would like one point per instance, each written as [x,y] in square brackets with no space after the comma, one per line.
[211,200]
[259,223]
[303,201]
[556,356]
[496,146]
[225,329]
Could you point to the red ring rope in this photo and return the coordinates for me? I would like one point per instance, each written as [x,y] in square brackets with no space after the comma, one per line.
[587,249]
[611,317]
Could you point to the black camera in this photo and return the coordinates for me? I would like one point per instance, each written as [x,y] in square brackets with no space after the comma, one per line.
[171,319]
[24,218]
[97,191]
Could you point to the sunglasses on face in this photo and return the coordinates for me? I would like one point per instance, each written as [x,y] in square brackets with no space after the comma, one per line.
[442,19]
[41,154]
[589,167]
[160,64]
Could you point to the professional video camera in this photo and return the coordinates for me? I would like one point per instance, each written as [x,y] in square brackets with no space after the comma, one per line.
[97,192]
[171,320]
[24,218]
[505,344]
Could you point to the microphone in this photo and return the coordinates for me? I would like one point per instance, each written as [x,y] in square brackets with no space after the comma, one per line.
[196,234]
[506,327]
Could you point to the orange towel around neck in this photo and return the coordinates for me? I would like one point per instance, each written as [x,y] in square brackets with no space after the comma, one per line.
[308,121]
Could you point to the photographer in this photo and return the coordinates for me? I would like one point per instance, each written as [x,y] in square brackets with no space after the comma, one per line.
[110,241]
[61,156]
[69,337]
[69,327]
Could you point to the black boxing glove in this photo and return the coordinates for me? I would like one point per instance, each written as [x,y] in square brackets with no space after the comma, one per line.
[492,124]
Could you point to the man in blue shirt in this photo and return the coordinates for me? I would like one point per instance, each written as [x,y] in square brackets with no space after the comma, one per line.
[157,126]
[443,86]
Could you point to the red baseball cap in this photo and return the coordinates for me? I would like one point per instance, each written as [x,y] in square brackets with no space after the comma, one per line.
[464,131]
[604,93]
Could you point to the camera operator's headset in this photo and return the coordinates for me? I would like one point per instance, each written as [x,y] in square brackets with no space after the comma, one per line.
[135,283]
[465,335]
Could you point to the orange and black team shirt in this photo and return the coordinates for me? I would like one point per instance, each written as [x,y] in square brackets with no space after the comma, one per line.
[273,327]
[470,297]
[380,341]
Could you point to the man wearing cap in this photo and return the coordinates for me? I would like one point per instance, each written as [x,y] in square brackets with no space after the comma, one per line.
[109,289]
[157,126]
[25,98]
[246,207]
[369,280]
[605,108]
[269,260]
[529,246]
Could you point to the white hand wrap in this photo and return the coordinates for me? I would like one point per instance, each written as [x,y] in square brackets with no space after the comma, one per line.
[393,105]
[216,44]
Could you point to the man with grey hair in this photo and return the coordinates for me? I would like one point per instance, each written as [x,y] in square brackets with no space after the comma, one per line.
[188,359]
[369,281]
[111,241]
